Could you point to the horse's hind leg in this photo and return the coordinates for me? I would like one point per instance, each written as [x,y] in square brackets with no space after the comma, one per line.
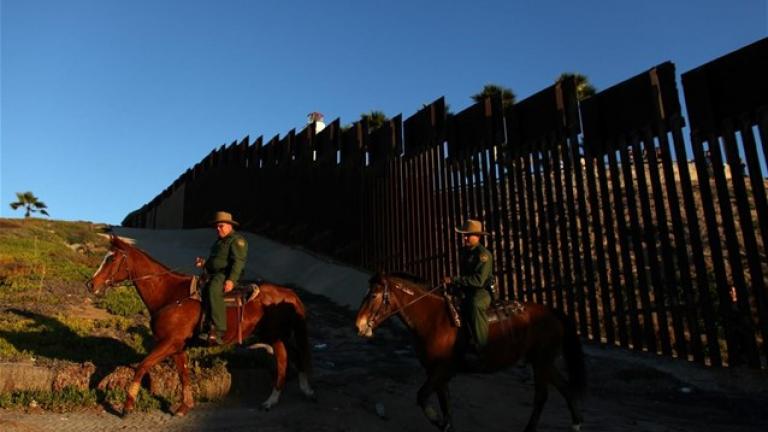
[187,401]
[159,353]
[541,379]
[305,386]
[571,399]
[281,364]
[443,396]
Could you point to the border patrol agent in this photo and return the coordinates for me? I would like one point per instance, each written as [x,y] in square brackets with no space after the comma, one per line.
[475,277]
[224,267]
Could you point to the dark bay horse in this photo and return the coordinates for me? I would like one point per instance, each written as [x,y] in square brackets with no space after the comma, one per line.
[536,334]
[275,315]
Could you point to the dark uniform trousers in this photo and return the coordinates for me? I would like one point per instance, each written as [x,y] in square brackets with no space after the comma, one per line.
[226,262]
[475,273]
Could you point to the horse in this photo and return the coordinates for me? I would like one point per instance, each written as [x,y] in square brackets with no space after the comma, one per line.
[533,332]
[275,314]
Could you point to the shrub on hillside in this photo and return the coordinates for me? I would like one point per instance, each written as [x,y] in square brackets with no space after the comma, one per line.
[123,301]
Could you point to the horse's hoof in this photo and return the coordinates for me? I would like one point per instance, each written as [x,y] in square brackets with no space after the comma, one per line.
[182,411]
[265,407]
[127,408]
[432,415]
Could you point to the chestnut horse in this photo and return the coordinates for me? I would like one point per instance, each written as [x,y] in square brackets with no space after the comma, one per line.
[534,333]
[275,315]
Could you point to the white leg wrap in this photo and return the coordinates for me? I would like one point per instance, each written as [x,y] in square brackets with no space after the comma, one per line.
[304,385]
[431,413]
[576,427]
[272,399]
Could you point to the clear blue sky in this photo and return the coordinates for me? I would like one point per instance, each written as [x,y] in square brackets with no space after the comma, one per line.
[106,102]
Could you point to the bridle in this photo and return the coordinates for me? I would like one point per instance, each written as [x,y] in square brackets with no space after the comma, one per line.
[375,319]
[109,282]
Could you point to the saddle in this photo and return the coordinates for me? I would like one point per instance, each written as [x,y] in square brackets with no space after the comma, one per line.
[500,311]
[243,293]
[497,311]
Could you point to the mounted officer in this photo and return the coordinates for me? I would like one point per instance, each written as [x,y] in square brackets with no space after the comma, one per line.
[224,267]
[474,281]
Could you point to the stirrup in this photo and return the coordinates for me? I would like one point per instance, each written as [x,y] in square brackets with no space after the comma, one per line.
[212,339]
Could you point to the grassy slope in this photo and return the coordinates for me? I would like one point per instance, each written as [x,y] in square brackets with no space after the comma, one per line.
[46,313]
[47,317]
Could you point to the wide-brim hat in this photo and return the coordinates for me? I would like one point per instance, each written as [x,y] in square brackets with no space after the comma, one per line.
[223,217]
[471,226]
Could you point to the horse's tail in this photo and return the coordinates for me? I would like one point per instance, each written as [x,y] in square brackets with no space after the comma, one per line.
[302,338]
[573,354]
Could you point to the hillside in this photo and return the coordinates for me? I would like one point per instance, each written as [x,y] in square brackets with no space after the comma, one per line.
[49,322]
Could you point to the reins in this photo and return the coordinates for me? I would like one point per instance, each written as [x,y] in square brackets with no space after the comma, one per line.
[385,302]
[130,279]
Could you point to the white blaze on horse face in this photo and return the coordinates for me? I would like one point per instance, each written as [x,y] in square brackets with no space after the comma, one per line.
[104,261]
[363,329]
[371,303]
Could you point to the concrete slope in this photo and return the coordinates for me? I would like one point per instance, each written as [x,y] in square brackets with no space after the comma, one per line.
[267,260]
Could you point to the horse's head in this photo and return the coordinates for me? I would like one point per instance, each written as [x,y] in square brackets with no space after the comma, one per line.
[377,306]
[113,268]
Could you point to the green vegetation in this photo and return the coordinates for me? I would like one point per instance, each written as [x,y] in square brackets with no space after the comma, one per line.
[62,337]
[144,401]
[30,203]
[123,301]
[34,252]
[584,88]
[47,316]
[507,95]
[65,400]
[375,119]
[46,312]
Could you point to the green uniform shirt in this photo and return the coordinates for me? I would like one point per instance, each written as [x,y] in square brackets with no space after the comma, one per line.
[475,267]
[228,256]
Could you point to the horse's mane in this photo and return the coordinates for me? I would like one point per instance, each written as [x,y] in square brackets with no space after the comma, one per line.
[121,244]
[410,278]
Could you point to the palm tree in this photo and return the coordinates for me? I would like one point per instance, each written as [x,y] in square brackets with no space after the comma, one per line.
[507,95]
[31,204]
[375,119]
[584,88]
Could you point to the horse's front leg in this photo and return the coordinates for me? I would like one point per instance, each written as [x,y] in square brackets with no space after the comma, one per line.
[160,352]
[187,401]
[434,382]
[281,364]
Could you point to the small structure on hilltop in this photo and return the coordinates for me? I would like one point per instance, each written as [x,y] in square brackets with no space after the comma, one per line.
[318,118]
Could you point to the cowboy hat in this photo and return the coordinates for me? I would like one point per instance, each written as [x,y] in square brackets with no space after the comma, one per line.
[223,217]
[471,226]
